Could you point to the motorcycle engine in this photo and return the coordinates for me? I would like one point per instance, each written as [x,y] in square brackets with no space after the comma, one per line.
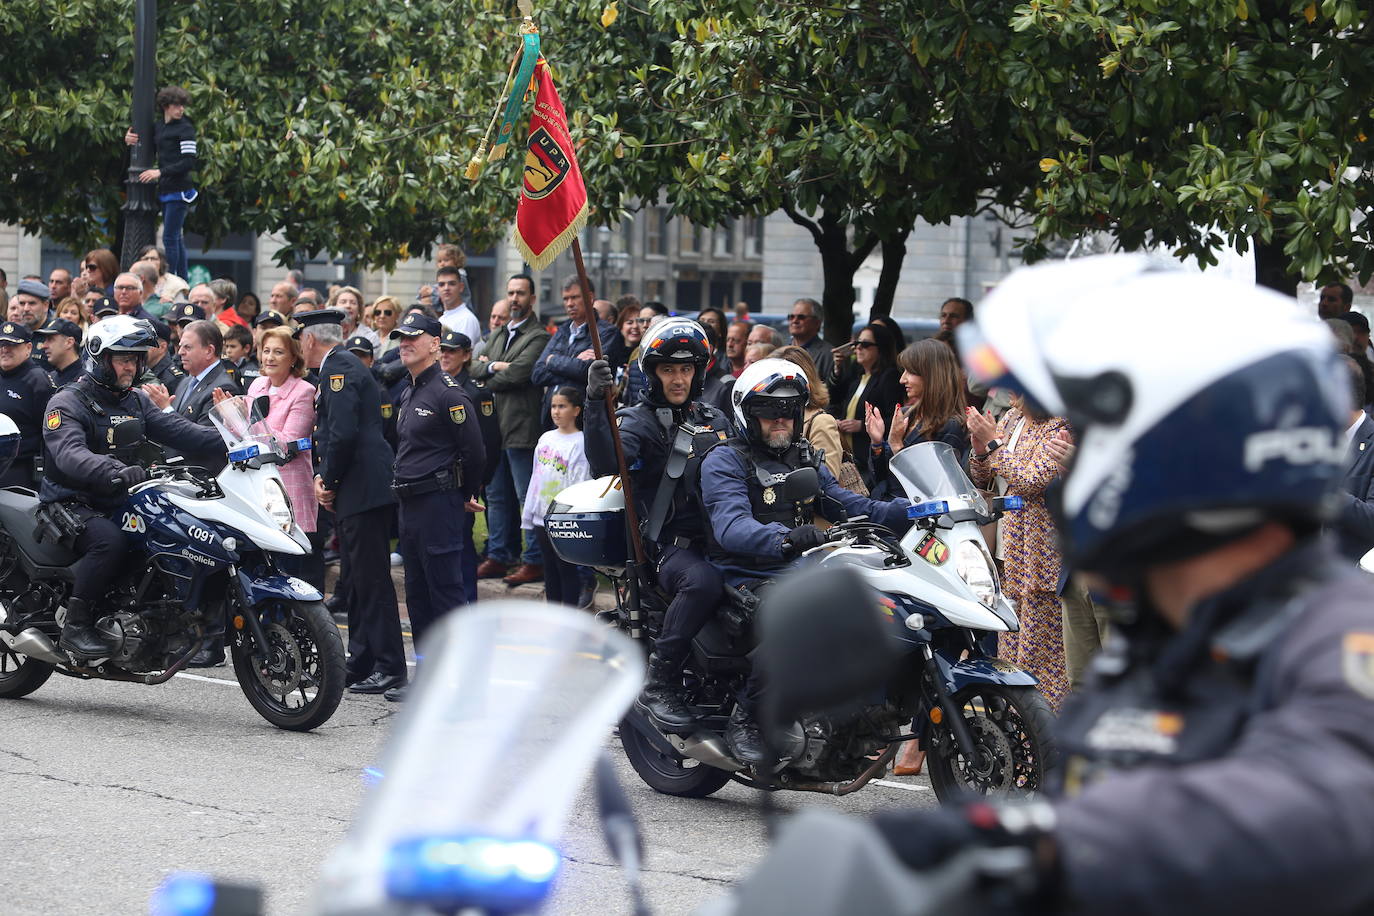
[125,633]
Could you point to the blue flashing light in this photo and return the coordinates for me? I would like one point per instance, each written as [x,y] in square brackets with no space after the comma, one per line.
[304,445]
[1013,503]
[927,509]
[458,872]
[245,453]
[184,894]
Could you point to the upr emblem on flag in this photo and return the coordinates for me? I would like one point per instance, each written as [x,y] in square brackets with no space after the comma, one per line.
[546,165]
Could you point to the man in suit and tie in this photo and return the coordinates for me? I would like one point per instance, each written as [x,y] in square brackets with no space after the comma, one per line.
[506,365]
[353,480]
[199,348]
[1354,524]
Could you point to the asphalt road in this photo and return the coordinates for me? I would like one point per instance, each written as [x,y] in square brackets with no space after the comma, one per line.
[109,787]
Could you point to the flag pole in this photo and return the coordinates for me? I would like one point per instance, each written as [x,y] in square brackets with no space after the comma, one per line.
[631,516]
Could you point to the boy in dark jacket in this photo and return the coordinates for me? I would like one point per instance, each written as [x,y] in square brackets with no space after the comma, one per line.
[175,139]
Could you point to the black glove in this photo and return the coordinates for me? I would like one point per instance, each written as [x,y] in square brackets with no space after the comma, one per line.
[599,379]
[129,475]
[925,838]
[801,539]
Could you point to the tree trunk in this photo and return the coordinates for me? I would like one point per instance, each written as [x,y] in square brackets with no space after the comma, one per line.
[1273,268]
[894,253]
[837,296]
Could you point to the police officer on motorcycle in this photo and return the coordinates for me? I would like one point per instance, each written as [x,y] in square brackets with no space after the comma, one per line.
[758,523]
[664,436]
[1221,755]
[87,476]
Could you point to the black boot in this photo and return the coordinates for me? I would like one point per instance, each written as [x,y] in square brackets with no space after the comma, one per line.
[662,699]
[79,635]
[745,740]
[211,656]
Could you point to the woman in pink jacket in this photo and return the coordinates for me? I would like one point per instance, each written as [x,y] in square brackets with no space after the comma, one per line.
[291,416]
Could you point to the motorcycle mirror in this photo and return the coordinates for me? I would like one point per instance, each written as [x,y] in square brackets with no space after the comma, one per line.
[801,484]
[262,404]
[126,433]
[822,644]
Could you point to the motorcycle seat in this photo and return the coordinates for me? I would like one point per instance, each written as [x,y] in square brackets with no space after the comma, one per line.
[17,510]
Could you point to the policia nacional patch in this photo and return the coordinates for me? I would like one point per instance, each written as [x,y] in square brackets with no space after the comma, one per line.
[1357,662]
[336,383]
[53,419]
[458,413]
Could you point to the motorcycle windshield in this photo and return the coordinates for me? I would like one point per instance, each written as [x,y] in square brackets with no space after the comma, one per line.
[931,470]
[512,702]
[233,417]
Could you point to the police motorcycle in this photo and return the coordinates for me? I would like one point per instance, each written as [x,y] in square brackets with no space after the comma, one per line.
[447,824]
[984,726]
[205,549]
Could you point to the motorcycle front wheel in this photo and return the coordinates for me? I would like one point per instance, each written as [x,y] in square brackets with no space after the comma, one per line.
[299,680]
[1012,731]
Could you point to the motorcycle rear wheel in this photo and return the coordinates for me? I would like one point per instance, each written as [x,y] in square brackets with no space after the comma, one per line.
[304,653]
[1012,728]
[667,773]
[21,675]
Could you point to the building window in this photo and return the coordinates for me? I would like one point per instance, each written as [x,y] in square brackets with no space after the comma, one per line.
[653,290]
[655,232]
[724,239]
[625,236]
[689,238]
[753,237]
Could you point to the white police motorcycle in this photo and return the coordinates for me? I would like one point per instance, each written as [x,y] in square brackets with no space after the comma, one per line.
[984,726]
[202,561]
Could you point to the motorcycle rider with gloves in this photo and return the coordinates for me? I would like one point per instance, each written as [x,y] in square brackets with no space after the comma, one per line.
[756,530]
[663,436]
[83,473]
[1221,754]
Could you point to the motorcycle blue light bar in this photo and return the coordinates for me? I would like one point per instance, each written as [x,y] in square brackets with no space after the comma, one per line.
[479,872]
[244,453]
[184,894]
[928,509]
[1013,503]
[303,445]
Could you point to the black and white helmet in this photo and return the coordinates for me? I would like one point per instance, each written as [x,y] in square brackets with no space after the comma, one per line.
[116,334]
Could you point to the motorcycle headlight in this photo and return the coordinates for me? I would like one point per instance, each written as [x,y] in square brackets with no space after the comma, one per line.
[278,505]
[973,566]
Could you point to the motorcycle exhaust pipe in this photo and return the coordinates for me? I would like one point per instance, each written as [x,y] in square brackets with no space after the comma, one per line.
[707,748]
[33,643]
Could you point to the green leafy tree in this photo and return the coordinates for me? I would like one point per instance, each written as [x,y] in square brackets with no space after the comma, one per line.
[343,126]
[1197,124]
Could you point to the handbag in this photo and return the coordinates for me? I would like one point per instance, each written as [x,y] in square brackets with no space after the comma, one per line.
[849,476]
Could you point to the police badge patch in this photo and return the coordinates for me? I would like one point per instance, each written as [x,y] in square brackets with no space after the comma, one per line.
[53,420]
[458,414]
[336,383]
[487,408]
[769,496]
[1357,663]
[386,411]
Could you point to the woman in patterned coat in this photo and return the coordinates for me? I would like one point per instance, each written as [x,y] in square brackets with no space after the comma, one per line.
[1012,459]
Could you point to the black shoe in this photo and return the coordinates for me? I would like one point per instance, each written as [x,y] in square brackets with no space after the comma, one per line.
[212,656]
[745,740]
[79,635]
[662,699]
[396,694]
[376,682]
[586,599]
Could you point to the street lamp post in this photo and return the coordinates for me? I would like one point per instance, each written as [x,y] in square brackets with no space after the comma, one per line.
[140,204]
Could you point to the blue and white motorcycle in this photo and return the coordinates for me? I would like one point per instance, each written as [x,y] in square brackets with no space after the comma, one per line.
[204,563]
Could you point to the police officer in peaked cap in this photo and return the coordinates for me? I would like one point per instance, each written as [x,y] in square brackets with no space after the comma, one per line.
[455,356]
[24,392]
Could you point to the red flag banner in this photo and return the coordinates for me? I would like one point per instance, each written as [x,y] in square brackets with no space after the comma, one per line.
[553,198]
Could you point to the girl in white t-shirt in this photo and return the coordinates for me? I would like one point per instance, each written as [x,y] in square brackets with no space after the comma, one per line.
[559,462]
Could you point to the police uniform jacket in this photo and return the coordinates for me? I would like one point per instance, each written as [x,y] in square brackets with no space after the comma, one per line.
[648,435]
[436,425]
[24,394]
[1354,524]
[518,399]
[243,373]
[168,372]
[735,499]
[66,376]
[77,440]
[485,401]
[558,365]
[1230,766]
[352,457]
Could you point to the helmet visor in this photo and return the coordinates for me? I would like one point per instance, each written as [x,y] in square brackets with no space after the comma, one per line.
[773,408]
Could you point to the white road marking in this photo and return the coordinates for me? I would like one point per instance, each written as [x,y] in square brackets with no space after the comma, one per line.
[208,680]
[910,787]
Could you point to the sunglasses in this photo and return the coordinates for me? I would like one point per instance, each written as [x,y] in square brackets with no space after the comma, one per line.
[643,321]
[864,344]
[380,312]
[799,317]
[91,266]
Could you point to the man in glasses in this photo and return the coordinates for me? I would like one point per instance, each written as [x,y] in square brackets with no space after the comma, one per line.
[128,295]
[804,323]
